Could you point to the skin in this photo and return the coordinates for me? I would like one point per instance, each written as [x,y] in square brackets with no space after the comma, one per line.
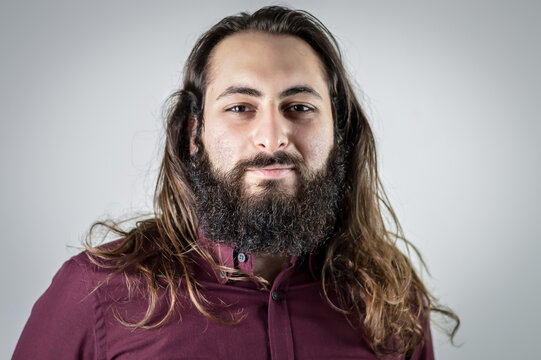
[267,93]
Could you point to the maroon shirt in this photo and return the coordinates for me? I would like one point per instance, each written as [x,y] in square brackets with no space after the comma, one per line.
[292,320]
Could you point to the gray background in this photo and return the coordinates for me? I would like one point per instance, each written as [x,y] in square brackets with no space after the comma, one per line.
[452,89]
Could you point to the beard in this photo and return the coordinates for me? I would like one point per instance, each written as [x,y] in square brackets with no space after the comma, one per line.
[271,220]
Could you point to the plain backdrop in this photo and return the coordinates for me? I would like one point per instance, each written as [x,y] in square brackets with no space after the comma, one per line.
[452,89]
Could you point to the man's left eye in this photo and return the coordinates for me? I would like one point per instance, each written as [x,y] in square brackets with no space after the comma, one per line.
[300,108]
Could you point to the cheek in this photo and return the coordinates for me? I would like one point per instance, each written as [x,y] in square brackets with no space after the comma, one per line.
[220,147]
[319,153]
[316,147]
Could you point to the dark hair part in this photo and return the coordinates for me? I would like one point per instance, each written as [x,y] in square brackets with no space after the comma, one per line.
[373,282]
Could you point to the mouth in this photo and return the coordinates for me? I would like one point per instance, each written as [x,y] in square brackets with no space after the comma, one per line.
[272,171]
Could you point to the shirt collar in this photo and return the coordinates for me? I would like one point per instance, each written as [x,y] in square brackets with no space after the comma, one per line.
[227,256]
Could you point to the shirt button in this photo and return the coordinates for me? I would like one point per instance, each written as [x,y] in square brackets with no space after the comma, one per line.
[242,257]
[274,295]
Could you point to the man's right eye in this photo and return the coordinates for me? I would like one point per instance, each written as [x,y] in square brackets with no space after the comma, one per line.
[238,108]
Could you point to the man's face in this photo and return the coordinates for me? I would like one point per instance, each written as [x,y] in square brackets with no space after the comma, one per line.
[268,177]
[267,94]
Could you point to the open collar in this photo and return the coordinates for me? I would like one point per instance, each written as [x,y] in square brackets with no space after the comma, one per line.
[229,257]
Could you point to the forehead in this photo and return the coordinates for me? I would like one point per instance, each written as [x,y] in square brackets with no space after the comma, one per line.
[268,62]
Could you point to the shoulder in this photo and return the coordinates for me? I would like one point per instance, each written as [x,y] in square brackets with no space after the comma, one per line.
[65,319]
[71,285]
[425,349]
[81,273]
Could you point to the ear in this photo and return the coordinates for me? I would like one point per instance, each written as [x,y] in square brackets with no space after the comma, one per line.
[192,129]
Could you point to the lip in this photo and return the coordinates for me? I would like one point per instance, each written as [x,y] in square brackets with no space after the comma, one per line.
[272,171]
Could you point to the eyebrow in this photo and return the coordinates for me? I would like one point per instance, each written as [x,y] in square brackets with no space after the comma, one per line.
[245,90]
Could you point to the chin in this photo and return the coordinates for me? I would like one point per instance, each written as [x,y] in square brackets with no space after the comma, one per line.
[274,187]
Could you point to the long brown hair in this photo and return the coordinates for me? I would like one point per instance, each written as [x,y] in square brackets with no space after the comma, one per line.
[364,274]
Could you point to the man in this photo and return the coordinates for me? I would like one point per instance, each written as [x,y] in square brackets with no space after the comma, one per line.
[268,239]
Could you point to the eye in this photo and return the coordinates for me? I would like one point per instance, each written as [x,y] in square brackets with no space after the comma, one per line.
[238,108]
[300,108]
[299,113]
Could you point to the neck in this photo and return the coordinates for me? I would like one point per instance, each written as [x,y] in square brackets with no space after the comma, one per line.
[269,266]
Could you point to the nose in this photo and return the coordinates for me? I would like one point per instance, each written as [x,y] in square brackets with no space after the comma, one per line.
[271,131]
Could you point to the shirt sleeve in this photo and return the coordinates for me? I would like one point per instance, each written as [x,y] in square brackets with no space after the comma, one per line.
[61,324]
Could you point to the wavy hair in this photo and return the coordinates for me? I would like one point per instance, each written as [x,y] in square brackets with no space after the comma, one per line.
[364,273]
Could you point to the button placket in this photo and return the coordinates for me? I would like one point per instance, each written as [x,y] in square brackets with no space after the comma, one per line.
[278,319]
[242,257]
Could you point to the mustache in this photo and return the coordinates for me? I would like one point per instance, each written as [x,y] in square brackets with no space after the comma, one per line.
[278,158]
[263,159]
